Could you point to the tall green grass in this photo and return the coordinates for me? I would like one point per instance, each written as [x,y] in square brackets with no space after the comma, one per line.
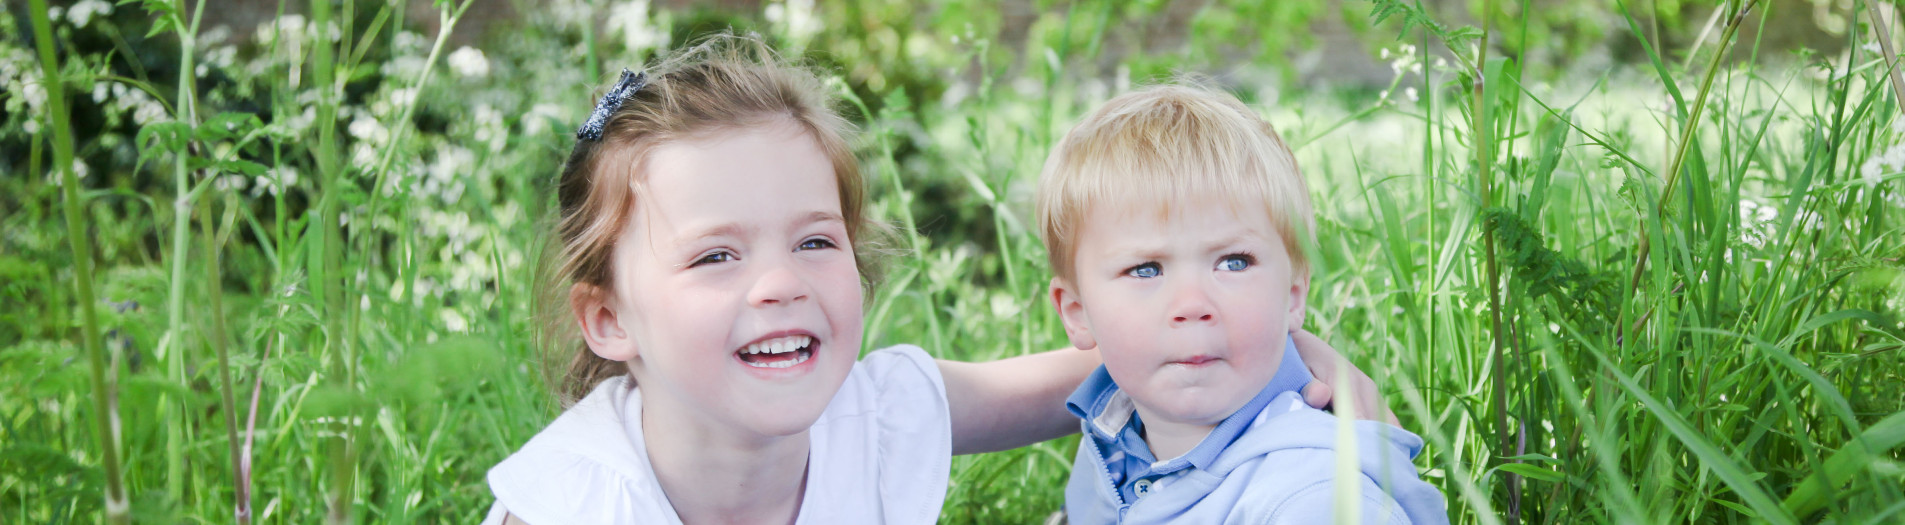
[1669,293]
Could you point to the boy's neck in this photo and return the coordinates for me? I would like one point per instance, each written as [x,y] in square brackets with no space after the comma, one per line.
[1168,440]
[710,475]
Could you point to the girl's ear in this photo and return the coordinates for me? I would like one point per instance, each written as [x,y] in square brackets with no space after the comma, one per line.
[601,326]
[1072,313]
[1299,294]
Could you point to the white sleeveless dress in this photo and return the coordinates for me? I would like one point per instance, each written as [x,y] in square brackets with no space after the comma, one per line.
[881,453]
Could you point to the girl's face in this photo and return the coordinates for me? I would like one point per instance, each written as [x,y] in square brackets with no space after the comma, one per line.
[736,284]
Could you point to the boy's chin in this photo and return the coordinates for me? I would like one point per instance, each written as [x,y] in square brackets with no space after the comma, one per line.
[1192,409]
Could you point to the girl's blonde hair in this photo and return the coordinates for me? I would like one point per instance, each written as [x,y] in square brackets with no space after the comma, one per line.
[1166,146]
[725,83]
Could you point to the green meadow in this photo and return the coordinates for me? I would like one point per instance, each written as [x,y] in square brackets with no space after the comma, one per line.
[1615,261]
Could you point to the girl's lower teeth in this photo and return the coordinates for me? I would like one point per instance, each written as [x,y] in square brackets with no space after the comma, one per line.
[800,356]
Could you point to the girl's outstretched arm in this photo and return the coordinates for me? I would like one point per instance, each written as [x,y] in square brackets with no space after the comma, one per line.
[1018,401]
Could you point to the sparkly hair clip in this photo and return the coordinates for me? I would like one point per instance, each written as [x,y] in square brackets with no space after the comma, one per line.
[626,87]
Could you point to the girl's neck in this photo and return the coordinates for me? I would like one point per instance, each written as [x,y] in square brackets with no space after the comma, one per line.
[712,475]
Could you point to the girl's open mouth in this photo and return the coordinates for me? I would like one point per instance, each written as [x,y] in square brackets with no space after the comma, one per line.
[779,352]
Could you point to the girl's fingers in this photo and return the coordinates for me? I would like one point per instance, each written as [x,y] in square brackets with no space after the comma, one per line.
[1317,394]
[1323,361]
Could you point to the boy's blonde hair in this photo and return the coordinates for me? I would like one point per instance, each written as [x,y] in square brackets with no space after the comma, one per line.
[725,83]
[1167,146]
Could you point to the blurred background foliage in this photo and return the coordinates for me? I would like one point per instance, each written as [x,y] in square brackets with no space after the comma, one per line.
[374,242]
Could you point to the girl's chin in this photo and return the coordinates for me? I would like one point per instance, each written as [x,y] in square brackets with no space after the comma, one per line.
[783,419]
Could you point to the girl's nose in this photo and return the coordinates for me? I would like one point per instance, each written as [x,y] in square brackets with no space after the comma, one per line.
[777,285]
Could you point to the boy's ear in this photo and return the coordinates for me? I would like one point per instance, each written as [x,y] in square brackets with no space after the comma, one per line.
[1072,313]
[601,326]
[1299,294]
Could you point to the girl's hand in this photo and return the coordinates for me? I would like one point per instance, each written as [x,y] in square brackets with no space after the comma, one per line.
[1324,361]
[1019,401]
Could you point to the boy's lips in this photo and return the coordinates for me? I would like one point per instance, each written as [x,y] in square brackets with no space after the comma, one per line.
[1195,361]
[779,353]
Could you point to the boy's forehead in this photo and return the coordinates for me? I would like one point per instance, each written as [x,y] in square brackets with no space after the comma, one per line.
[1166,207]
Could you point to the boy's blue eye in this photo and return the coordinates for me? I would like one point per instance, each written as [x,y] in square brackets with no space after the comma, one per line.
[1235,263]
[1145,271]
[712,258]
[817,243]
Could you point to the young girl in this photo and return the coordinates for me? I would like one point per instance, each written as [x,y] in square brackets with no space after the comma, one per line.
[711,218]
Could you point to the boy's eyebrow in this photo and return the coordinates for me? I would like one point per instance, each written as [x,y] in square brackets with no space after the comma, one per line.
[1131,247]
[1234,238]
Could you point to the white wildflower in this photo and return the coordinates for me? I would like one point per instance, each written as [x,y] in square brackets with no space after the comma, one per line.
[288,26]
[34,93]
[540,117]
[796,17]
[32,127]
[1411,93]
[453,321]
[218,34]
[275,181]
[469,62]
[230,183]
[80,171]
[446,174]
[632,21]
[403,97]
[83,11]
[403,66]
[368,129]
[490,128]
[221,57]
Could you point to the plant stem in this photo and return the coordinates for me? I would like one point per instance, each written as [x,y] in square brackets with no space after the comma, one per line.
[1687,137]
[325,257]
[1484,158]
[1884,32]
[217,338]
[185,110]
[105,416]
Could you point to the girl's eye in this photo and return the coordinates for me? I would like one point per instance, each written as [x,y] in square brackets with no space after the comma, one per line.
[816,243]
[712,258]
[1235,263]
[1145,271]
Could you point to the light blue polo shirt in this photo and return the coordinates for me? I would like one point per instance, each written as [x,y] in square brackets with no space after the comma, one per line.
[1132,466]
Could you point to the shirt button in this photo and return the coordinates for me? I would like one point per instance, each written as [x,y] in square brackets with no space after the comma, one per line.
[1142,487]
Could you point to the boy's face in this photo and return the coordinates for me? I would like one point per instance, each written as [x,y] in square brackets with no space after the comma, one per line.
[1189,309]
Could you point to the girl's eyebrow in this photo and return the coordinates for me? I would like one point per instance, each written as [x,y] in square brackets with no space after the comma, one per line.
[818,216]
[735,229]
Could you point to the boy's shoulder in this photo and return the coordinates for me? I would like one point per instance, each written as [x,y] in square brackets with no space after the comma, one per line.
[1285,468]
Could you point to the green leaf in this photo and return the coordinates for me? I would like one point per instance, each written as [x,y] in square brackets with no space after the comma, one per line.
[161,138]
[227,125]
[1533,472]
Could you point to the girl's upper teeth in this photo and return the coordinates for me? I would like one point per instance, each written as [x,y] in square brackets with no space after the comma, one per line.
[779,345]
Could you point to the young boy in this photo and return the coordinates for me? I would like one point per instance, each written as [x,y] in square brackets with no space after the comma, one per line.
[1172,218]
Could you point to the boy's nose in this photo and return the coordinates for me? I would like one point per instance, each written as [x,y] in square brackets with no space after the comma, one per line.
[1183,318]
[1192,306]
[776,286]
